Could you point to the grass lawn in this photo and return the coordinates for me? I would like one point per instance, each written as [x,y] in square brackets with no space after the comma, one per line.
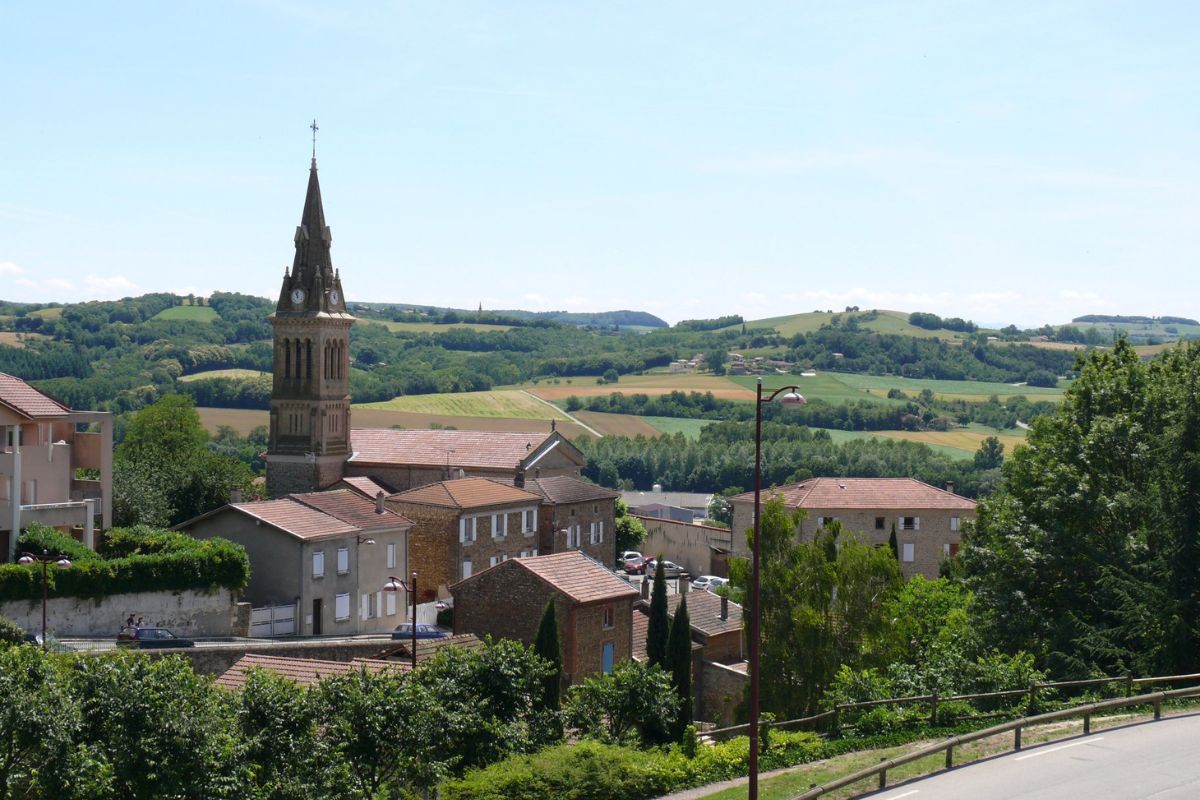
[430,327]
[828,386]
[498,403]
[225,373]
[654,383]
[971,390]
[191,313]
[47,313]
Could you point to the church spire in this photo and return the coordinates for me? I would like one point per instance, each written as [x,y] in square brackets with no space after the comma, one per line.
[312,286]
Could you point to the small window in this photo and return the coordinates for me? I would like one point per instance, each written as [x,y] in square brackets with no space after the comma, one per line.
[494,560]
[909,523]
[954,523]
[391,555]
[466,569]
[341,607]
[879,523]
[499,526]
[952,549]
[528,521]
[364,610]
[909,549]
[466,530]
[319,564]
[391,603]
[343,556]
[823,521]
[608,617]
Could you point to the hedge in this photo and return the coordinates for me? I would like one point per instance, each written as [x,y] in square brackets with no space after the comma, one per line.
[137,559]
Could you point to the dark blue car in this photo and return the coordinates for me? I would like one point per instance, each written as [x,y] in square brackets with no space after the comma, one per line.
[405,631]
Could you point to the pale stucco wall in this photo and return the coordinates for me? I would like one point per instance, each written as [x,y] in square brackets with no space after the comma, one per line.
[188,613]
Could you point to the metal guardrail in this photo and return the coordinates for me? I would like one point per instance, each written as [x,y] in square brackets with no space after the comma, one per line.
[934,700]
[880,770]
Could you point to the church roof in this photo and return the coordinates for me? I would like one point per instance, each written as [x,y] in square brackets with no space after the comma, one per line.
[439,449]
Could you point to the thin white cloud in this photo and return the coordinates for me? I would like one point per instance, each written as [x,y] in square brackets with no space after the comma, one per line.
[26,283]
[59,283]
[111,285]
[10,268]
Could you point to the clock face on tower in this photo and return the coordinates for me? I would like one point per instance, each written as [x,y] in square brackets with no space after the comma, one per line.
[333,297]
[297,296]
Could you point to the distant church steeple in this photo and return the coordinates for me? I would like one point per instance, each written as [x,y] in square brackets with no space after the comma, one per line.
[310,390]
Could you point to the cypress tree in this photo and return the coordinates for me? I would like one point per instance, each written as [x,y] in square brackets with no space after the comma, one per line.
[658,629]
[679,664]
[547,646]
[892,543]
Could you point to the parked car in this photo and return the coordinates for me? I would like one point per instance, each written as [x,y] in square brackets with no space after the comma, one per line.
[708,582]
[405,631]
[635,566]
[628,554]
[143,637]
[670,569]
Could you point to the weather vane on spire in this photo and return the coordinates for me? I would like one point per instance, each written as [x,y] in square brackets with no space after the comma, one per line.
[314,130]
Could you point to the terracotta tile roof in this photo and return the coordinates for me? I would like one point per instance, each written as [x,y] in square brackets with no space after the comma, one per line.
[364,486]
[900,494]
[575,575]
[352,508]
[295,518]
[304,671]
[28,401]
[565,489]
[467,493]
[427,647]
[468,449]
[704,613]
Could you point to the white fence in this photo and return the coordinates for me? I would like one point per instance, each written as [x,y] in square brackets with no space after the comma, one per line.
[273,621]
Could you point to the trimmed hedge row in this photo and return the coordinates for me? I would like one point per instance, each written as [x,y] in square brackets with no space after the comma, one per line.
[590,770]
[132,560]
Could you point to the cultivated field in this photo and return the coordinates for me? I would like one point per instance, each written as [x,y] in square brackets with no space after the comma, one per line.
[47,313]
[651,384]
[885,322]
[669,425]
[430,327]
[618,424]
[225,373]
[243,420]
[960,443]
[18,339]
[967,390]
[506,403]
[187,313]
[827,386]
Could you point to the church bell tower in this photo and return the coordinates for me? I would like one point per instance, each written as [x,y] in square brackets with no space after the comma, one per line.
[310,391]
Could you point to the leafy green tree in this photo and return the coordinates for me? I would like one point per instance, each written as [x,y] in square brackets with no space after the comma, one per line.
[990,454]
[630,530]
[1089,556]
[277,723]
[658,629]
[547,645]
[715,360]
[679,665]
[633,704]
[10,632]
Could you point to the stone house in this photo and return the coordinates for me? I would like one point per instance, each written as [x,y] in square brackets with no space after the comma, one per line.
[44,444]
[464,526]
[329,553]
[575,515]
[928,520]
[408,459]
[593,606]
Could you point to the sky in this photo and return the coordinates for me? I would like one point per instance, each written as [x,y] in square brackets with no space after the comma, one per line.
[1020,162]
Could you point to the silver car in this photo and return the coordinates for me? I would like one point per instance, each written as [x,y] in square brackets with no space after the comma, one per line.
[670,569]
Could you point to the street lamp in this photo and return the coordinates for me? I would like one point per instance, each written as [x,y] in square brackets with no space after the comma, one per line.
[789,395]
[45,559]
[394,584]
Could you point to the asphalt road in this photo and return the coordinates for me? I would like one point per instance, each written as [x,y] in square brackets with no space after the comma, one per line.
[1159,760]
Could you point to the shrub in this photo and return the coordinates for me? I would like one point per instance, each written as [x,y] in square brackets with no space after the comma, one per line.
[39,538]
[10,632]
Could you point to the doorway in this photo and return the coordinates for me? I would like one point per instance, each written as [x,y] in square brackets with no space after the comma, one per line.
[316,615]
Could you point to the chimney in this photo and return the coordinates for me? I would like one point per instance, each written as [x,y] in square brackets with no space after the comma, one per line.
[553,425]
[519,477]
[684,584]
[724,606]
[645,589]
[235,495]
[950,487]
[379,509]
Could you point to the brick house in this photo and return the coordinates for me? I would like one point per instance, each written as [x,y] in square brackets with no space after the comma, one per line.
[928,520]
[408,459]
[328,553]
[593,606]
[464,526]
[44,443]
[575,515]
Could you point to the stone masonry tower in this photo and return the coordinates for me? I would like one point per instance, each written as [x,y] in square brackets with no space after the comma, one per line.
[310,392]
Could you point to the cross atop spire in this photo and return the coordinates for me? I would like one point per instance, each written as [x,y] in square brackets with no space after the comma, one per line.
[314,130]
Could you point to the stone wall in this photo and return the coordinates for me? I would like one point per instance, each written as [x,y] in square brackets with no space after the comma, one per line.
[553,519]
[589,635]
[722,690]
[189,613]
[432,546]
[689,546]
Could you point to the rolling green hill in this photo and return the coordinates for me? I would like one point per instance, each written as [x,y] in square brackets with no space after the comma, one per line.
[190,313]
[878,321]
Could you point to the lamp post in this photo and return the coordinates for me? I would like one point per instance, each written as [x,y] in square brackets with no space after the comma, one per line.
[790,395]
[45,559]
[394,584]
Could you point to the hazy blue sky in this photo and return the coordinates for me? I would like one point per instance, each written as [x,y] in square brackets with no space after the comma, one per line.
[1010,162]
